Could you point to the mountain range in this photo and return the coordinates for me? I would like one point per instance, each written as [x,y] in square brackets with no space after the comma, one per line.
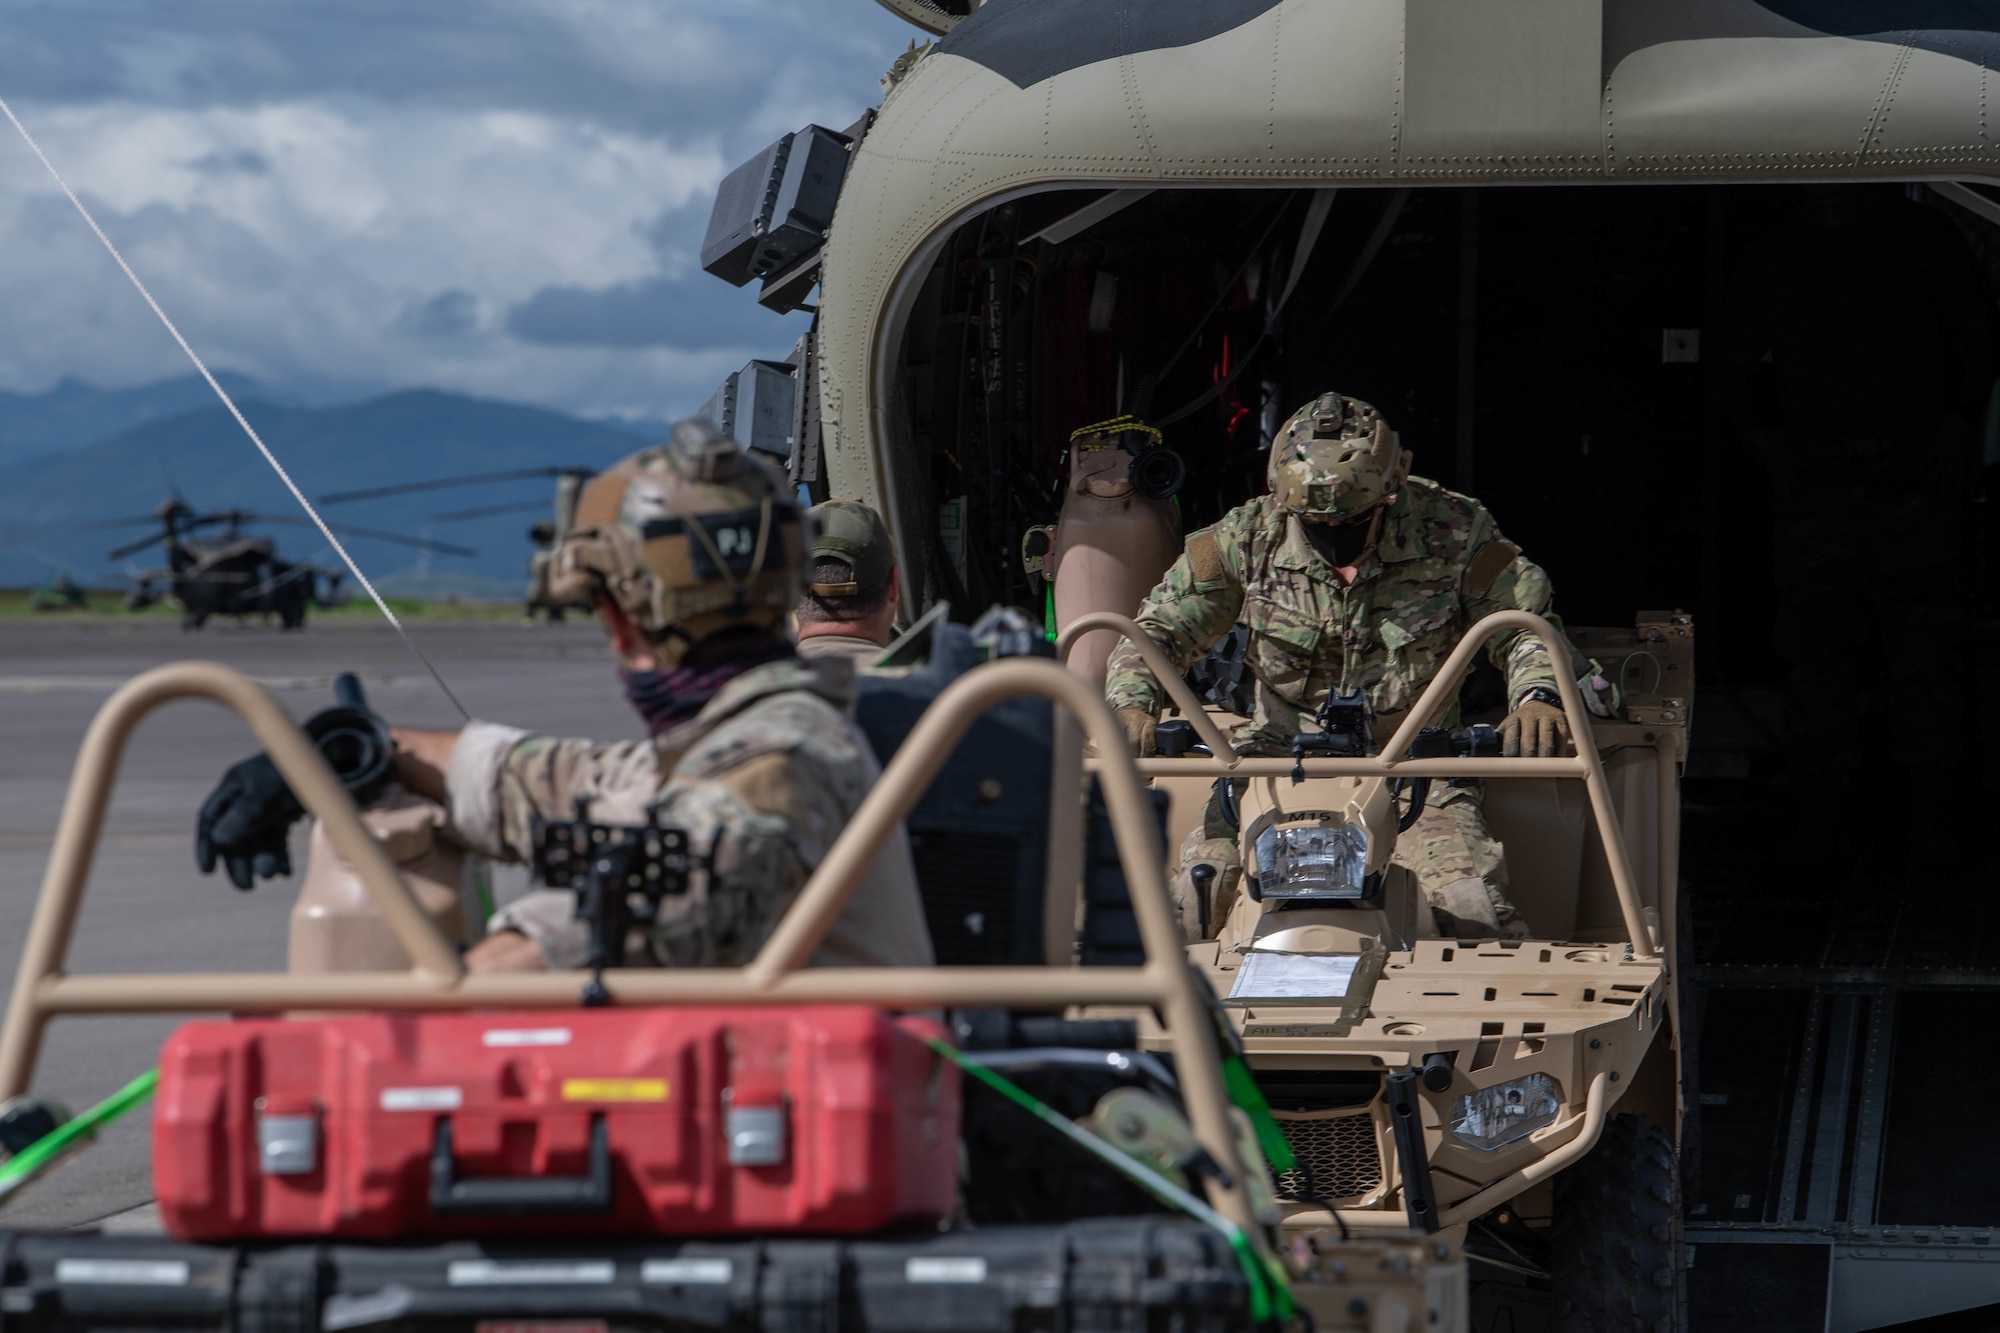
[74,413]
[76,455]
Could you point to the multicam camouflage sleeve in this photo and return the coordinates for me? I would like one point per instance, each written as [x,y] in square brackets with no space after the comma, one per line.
[502,779]
[1519,585]
[1186,615]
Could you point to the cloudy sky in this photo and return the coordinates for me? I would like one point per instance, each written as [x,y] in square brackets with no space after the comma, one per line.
[504,197]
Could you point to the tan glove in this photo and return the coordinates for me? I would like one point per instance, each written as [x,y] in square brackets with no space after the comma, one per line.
[1536,730]
[1139,728]
[506,951]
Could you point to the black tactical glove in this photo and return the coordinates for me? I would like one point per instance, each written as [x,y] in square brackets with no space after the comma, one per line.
[247,819]
[245,823]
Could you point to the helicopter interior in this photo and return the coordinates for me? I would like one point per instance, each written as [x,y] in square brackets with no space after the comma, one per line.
[1549,349]
[1539,347]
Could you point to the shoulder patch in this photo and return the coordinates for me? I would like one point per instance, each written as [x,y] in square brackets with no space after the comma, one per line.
[1205,558]
[1491,562]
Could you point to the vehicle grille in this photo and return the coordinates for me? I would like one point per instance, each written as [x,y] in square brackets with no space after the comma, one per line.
[1337,1155]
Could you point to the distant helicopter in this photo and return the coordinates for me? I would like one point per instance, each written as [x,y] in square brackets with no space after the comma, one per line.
[237,575]
[545,535]
[60,593]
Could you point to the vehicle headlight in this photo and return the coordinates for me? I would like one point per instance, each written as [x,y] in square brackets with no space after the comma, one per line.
[1494,1117]
[1312,861]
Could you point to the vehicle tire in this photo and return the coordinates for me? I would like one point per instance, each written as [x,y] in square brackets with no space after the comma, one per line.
[1615,1249]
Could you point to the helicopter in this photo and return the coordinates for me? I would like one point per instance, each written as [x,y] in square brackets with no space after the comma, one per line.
[237,575]
[60,593]
[545,535]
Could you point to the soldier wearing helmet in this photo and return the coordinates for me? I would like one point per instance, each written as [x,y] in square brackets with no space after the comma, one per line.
[1351,574]
[691,551]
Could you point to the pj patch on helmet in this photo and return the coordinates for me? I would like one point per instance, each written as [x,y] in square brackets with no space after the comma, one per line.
[688,539]
[1336,461]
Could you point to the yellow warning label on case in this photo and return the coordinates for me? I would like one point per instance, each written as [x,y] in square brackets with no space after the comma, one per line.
[614,1090]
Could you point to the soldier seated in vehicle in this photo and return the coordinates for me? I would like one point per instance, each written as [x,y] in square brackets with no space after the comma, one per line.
[1351,574]
[692,552]
[852,584]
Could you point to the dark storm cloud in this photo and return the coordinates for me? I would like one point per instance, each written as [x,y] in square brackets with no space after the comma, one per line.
[501,197]
[648,65]
[241,162]
[687,313]
[449,314]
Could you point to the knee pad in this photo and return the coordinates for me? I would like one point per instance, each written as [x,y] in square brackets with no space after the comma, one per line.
[1464,908]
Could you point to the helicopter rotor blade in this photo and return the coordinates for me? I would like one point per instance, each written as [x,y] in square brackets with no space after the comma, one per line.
[441,483]
[374,534]
[487,511]
[87,525]
[130,547]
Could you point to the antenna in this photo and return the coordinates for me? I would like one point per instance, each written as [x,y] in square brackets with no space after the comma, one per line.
[234,410]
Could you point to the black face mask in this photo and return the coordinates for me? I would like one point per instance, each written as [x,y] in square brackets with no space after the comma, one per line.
[1340,545]
[669,697]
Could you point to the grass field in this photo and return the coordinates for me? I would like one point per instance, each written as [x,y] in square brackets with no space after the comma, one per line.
[109,604]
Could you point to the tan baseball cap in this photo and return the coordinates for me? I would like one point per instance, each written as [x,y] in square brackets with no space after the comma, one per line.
[853,533]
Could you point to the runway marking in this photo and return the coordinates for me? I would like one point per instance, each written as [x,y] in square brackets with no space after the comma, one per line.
[46,839]
[106,684]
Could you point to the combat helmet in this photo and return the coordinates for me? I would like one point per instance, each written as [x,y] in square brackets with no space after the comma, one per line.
[688,538]
[1336,460]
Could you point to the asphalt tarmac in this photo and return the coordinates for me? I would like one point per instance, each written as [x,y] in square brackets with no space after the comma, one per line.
[146,908]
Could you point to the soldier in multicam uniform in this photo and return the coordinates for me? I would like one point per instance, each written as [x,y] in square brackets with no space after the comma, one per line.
[1353,575]
[691,552]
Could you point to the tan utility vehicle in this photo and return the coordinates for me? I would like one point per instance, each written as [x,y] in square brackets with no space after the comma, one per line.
[1526,1090]
[1395,1277]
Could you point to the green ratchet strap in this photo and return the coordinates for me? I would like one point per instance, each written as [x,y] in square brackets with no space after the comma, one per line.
[1243,1089]
[28,1163]
[1249,1099]
[1270,1289]
[1049,611]
[486,908]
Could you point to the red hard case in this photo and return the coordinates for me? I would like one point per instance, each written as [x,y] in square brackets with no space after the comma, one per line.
[686,1121]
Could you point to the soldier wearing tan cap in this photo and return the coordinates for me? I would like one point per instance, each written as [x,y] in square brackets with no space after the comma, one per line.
[852,585]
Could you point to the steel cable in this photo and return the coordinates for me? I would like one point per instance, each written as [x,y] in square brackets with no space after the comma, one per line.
[234,411]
